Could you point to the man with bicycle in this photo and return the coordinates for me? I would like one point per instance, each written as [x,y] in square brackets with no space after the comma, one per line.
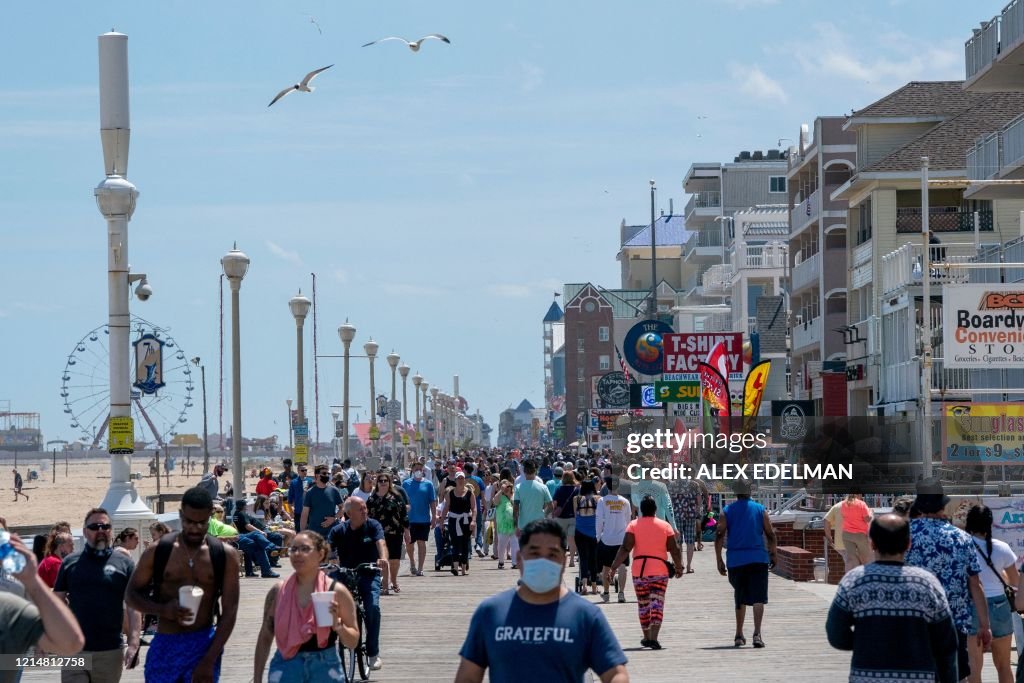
[360,540]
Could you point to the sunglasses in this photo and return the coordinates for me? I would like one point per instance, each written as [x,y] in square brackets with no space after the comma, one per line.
[383,481]
[95,526]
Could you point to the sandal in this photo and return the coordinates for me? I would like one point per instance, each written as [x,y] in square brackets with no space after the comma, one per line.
[758,643]
[689,571]
[396,589]
[739,641]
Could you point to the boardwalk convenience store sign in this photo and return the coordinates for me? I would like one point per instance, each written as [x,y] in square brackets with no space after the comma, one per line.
[983,326]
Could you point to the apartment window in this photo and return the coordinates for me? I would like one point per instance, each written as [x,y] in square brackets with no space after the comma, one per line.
[602,334]
[579,344]
[605,362]
[579,374]
[777,183]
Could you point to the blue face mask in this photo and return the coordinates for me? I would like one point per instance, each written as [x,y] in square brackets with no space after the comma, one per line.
[542,576]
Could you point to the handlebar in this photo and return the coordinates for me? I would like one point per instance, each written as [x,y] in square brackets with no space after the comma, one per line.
[364,568]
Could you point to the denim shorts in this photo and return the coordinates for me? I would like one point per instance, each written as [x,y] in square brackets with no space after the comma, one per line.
[318,665]
[1000,616]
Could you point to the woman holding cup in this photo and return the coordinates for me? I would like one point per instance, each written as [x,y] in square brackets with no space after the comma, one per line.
[305,615]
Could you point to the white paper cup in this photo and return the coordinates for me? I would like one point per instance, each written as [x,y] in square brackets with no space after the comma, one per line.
[322,608]
[190,597]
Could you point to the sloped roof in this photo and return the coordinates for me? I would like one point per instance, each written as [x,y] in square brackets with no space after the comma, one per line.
[774,228]
[524,406]
[923,98]
[668,231]
[554,313]
[947,143]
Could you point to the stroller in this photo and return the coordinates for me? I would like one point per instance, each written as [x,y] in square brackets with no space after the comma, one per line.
[443,557]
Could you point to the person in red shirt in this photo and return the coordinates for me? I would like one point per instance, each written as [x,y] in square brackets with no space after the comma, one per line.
[266,484]
[60,547]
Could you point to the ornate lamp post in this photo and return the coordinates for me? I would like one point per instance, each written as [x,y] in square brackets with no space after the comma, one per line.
[403,370]
[299,306]
[370,348]
[393,359]
[236,264]
[347,332]
[417,380]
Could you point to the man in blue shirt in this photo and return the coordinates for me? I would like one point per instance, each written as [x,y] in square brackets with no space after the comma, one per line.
[540,630]
[747,527]
[422,512]
[297,488]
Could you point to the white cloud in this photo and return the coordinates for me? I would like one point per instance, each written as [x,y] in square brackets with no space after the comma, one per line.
[756,83]
[284,254]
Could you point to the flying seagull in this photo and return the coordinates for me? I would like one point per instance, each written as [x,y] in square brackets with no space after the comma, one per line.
[302,86]
[414,46]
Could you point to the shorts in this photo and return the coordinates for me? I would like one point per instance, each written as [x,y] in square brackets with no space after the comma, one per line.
[316,665]
[395,543]
[419,531]
[172,657]
[1000,617]
[688,530]
[568,525]
[749,583]
[606,555]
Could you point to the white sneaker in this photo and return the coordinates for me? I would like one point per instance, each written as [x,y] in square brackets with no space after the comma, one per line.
[375,663]
[622,597]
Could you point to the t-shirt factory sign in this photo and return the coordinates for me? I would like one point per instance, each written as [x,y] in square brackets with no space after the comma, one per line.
[983,326]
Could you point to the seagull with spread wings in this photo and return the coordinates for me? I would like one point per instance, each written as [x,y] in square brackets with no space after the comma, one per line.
[301,86]
[414,46]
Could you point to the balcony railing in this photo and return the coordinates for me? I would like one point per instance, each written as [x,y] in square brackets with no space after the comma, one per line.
[766,256]
[805,210]
[1013,143]
[807,271]
[717,280]
[942,219]
[983,157]
[705,199]
[902,381]
[807,333]
[902,267]
[1011,27]
[982,48]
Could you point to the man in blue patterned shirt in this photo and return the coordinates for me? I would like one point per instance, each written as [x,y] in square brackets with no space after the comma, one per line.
[949,554]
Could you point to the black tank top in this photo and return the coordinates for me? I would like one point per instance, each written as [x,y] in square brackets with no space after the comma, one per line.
[459,505]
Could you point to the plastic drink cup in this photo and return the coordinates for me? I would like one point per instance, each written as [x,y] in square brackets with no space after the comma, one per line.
[322,608]
[190,597]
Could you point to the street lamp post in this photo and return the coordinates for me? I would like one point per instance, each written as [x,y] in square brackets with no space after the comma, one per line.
[235,264]
[115,199]
[424,387]
[347,332]
[435,414]
[206,447]
[299,306]
[337,440]
[288,402]
[393,359]
[417,380]
[403,370]
[370,348]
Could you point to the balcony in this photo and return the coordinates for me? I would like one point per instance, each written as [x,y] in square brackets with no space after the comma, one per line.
[704,245]
[983,158]
[994,53]
[708,202]
[717,280]
[807,334]
[1013,144]
[902,268]
[807,272]
[765,256]
[902,381]
[804,212]
[942,219]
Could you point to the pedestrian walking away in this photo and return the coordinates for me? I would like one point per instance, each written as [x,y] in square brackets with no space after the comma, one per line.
[18,483]
[651,541]
[894,618]
[189,640]
[306,651]
[93,581]
[746,527]
[613,515]
[855,519]
[540,631]
[998,574]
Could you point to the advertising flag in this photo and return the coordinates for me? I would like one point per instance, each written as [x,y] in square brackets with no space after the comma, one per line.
[753,392]
[714,395]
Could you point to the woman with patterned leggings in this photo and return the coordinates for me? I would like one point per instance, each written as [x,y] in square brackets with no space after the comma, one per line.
[650,540]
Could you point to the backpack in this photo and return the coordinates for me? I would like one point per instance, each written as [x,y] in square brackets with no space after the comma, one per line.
[217,556]
[353,482]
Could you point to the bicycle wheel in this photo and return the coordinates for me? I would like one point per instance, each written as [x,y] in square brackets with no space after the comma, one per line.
[360,653]
[350,656]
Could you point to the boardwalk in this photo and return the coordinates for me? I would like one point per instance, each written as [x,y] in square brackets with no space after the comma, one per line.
[423,629]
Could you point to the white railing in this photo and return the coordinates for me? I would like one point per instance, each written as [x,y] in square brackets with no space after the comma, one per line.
[807,333]
[983,157]
[766,256]
[717,280]
[902,267]
[1013,142]
[950,380]
[705,199]
[981,49]
[804,211]
[807,271]
[862,254]
[901,381]
[1011,27]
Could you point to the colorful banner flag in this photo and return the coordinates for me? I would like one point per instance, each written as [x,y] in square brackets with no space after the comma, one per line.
[753,392]
[714,395]
[625,368]
[717,358]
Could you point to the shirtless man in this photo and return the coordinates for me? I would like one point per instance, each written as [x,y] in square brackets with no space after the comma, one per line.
[179,651]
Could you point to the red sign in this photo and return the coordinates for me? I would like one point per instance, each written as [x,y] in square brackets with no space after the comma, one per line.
[682,352]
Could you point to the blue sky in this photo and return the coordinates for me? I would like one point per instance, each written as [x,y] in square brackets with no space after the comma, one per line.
[441,197]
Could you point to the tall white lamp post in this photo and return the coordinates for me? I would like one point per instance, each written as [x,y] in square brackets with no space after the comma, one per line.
[393,359]
[337,440]
[417,380]
[235,264]
[370,348]
[347,332]
[403,370]
[425,387]
[299,306]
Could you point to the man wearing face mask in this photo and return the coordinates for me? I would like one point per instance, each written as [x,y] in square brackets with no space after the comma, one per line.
[422,512]
[540,630]
[321,506]
[93,582]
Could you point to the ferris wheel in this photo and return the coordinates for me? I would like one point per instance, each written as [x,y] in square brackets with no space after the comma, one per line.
[161,391]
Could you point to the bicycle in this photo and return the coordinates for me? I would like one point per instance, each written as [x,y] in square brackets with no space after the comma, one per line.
[354,657]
